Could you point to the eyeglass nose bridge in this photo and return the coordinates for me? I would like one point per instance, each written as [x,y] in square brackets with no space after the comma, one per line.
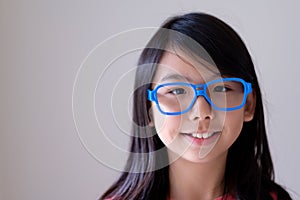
[200,93]
[200,90]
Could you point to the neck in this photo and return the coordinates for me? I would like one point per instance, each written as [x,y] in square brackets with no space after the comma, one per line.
[189,180]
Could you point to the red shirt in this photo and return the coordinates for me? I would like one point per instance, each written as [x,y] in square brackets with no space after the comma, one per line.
[220,198]
[229,197]
[274,196]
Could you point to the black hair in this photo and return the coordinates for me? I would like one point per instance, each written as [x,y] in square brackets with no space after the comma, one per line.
[249,169]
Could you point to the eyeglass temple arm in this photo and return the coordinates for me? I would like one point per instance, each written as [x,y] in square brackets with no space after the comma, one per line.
[248,88]
[150,95]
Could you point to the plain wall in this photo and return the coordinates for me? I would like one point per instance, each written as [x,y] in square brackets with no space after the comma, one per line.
[43,44]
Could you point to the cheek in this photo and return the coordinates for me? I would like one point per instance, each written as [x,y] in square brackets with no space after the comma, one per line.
[167,127]
[233,126]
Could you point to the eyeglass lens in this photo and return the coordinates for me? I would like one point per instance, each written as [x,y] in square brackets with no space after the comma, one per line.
[178,98]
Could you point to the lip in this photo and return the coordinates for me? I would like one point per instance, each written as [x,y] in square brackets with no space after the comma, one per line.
[201,131]
[195,141]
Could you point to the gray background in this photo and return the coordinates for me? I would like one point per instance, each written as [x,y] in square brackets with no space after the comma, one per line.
[43,44]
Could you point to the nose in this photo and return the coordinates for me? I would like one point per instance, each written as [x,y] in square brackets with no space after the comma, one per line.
[201,110]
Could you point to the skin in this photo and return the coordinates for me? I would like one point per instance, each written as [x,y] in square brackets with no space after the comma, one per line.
[197,171]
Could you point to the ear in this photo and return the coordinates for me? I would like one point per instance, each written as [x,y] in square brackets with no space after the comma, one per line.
[151,119]
[249,108]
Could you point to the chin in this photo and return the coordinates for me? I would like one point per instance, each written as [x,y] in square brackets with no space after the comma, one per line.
[204,157]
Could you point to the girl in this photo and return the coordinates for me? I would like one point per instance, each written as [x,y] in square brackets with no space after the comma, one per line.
[199,130]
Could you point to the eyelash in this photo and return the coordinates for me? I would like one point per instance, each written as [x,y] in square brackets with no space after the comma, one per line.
[227,89]
[224,87]
[172,90]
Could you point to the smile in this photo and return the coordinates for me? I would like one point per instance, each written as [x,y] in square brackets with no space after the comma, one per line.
[202,135]
[205,139]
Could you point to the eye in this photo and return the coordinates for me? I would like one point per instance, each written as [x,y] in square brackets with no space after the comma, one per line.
[177,91]
[221,88]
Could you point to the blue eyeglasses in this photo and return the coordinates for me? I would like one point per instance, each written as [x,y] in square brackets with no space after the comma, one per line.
[176,98]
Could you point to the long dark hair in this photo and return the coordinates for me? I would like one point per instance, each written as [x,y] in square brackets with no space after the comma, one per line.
[249,168]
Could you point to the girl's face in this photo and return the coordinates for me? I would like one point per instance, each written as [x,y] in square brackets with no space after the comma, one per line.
[202,133]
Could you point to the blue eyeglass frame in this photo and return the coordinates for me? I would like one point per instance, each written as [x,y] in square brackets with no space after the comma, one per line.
[152,94]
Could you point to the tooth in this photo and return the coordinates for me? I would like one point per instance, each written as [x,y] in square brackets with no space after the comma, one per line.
[194,134]
[199,135]
[205,135]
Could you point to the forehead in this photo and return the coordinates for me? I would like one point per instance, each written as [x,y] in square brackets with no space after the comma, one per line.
[180,66]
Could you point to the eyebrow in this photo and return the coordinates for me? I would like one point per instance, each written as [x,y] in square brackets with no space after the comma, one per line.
[180,77]
[175,76]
